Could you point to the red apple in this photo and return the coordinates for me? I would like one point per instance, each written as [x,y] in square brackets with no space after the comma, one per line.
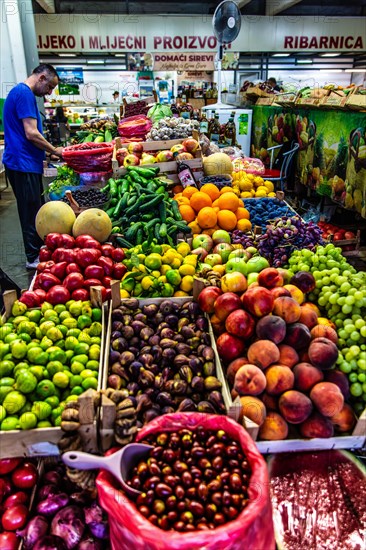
[94,272]
[131,160]
[87,241]
[225,304]
[121,154]
[63,255]
[45,254]
[240,323]
[107,264]
[80,294]
[118,271]
[135,148]
[229,347]
[270,278]
[72,268]
[73,281]
[184,156]
[107,250]
[207,298]
[59,270]
[258,301]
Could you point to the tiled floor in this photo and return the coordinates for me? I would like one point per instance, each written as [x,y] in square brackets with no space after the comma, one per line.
[12,257]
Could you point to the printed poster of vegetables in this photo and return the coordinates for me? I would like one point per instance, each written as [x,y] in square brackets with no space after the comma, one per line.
[332,153]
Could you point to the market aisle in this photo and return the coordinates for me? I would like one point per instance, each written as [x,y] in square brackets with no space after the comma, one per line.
[12,257]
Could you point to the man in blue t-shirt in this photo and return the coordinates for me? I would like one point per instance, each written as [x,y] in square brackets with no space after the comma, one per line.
[24,152]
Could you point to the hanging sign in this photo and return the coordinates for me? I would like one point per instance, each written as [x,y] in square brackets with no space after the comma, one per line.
[69,80]
[178,61]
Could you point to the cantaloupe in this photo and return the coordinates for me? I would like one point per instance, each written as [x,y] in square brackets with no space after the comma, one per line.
[217,164]
[94,222]
[54,217]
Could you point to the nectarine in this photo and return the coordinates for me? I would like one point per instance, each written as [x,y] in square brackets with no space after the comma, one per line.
[295,407]
[279,379]
[288,356]
[287,308]
[323,353]
[317,426]
[263,353]
[327,398]
[345,420]
[253,408]
[273,428]
[271,327]
[306,376]
[249,380]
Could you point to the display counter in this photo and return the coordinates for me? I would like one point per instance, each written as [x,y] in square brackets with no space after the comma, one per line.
[332,154]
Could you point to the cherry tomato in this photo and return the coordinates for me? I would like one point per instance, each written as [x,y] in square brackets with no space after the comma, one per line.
[15,517]
[20,497]
[8,465]
[9,541]
[25,476]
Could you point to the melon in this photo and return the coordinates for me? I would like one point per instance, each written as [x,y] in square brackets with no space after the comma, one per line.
[54,217]
[217,164]
[94,222]
[318,500]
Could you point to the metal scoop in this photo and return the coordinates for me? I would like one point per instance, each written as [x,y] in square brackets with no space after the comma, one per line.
[119,464]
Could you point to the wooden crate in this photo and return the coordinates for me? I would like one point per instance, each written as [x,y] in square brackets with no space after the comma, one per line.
[307,102]
[265,100]
[357,100]
[43,441]
[285,99]
[254,92]
[337,99]
[168,169]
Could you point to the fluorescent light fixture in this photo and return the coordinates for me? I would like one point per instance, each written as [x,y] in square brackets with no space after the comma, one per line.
[281,55]
[329,54]
[355,70]
[67,54]
[119,55]
[331,71]
[304,61]
[95,61]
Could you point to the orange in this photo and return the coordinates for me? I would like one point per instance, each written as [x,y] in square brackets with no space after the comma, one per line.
[217,209]
[226,220]
[209,232]
[244,225]
[211,190]
[200,200]
[196,230]
[177,195]
[189,191]
[226,189]
[207,217]
[187,213]
[242,214]
[182,200]
[215,202]
[177,189]
[229,201]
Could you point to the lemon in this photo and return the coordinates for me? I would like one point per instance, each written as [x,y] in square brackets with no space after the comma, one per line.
[153,261]
[173,277]
[141,257]
[183,249]
[187,269]
[191,259]
[124,294]
[261,194]
[164,268]
[176,263]
[180,294]
[155,273]
[271,194]
[147,282]
[162,279]
[187,283]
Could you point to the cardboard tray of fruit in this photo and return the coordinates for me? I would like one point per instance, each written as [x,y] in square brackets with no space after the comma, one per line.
[167,168]
[40,441]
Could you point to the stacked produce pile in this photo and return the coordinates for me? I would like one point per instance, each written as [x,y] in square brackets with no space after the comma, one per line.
[18,478]
[99,130]
[135,155]
[210,209]
[162,354]
[250,185]
[341,293]
[279,360]
[334,233]
[144,209]
[172,128]
[46,355]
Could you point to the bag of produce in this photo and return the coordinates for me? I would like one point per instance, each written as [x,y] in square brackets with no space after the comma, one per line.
[252,527]
[89,157]
[134,126]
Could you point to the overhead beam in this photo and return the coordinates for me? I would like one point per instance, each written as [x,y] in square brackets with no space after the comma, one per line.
[47,5]
[273,7]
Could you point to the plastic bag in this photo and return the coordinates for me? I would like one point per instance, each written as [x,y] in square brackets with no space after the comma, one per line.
[252,530]
[89,157]
[134,126]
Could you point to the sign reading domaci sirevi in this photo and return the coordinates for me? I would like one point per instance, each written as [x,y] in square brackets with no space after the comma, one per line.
[125,33]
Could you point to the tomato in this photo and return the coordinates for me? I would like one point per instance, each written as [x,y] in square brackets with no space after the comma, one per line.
[107,264]
[16,498]
[118,254]
[25,476]
[9,541]
[45,254]
[118,271]
[73,281]
[94,272]
[15,517]
[72,268]
[107,250]
[7,465]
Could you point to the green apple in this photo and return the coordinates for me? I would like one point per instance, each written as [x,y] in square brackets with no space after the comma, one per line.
[239,253]
[236,264]
[224,249]
[252,278]
[202,241]
[221,236]
[213,259]
[256,264]
[252,250]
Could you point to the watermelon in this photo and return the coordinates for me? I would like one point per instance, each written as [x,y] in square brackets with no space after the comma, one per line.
[318,500]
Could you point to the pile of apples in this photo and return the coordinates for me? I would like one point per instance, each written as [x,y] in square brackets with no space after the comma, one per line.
[70,266]
[279,361]
[134,154]
[336,234]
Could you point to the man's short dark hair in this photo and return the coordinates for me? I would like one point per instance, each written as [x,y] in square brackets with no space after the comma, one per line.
[272,80]
[45,68]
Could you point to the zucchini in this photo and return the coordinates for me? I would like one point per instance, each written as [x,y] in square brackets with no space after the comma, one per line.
[162,211]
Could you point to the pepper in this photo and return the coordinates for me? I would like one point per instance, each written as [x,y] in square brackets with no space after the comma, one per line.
[108,136]
[151,186]
[132,209]
[140,236]
[135,177]
[110,211]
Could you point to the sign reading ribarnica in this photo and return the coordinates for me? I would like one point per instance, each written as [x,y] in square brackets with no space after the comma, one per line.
[168,34]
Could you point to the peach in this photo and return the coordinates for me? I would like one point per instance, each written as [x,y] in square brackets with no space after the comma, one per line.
[324,331]
[327,322]
[234,367]
[273,428]
[308,316]
[287,308]
[340,379]
[271,327]
[240,323]
[323,353]
[288,356]
[263,353]
[327,398]
[258,300]
[306,376]
[270,278]
[295,407]
[312,306]
[296,293]
[304,356]
[270,401]
[297,336]
[249,380]
[345,420]
[278,291]
[279,379]
[253,408]
[317,426]
[218,326]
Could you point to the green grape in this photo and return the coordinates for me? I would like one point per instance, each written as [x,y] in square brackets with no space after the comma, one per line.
[346,308]
[361,377]
[355,336]
[356,389]
[353,377]
[345,367]
[343,334]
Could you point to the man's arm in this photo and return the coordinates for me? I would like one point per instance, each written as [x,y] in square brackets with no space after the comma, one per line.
[34,136]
